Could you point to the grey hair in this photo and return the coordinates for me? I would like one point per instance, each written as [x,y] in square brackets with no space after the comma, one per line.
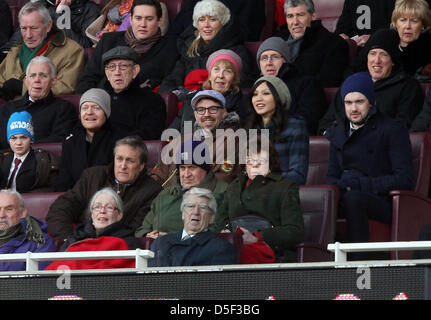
[19,196]
[44,60]
[30,7]
[134,142]
[109,191]
[200,192]
[295,3]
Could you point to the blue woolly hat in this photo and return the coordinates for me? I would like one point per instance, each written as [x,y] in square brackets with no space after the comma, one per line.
[20,123]
[359,82]
[189,154]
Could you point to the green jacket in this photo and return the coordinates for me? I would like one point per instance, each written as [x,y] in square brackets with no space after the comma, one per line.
[271,197]
[165,213]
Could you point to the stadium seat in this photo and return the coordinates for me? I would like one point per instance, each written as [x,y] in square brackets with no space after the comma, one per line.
[319,206]
[353,49]
[328,11]
[38,204]
[252,47]
[171,101]
[15,6]
[154,152]
[318,160]
[270,24]
[174,7]
[53,147]
[88,52]
[330,94]
[73,99]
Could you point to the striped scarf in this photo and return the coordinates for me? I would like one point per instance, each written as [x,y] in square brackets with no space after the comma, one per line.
[141,46]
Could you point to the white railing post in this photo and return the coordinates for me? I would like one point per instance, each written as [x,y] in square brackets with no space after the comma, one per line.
[340,254]
[31,264]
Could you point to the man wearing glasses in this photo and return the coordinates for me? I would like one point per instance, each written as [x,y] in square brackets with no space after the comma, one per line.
[134,110]
[195,245]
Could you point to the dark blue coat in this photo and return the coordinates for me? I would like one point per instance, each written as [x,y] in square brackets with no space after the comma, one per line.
[205,248]
[378,156]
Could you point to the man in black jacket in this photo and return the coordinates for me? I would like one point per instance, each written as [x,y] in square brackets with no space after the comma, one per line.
[313,50]
[53,118]
[134,109]
[157,54]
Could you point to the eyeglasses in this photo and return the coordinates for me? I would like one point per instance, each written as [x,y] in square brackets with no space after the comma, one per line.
[122,66]
[211,110]
[202,206]
[108,208]
[251,161]
[273,58]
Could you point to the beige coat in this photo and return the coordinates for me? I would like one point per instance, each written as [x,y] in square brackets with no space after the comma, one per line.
[67,56]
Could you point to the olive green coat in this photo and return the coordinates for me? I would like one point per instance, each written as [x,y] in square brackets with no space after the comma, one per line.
[271,197]
[165,213]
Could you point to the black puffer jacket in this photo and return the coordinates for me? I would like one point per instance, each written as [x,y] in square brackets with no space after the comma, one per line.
[229,37]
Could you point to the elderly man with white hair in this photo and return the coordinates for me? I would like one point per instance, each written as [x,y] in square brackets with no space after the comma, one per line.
[195,245]
[53,117]
[20,232]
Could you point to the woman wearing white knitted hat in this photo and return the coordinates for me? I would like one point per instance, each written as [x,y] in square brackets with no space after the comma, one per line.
[213,28]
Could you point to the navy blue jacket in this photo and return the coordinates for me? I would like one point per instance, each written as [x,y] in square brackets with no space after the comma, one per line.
[378,156]
[205,248]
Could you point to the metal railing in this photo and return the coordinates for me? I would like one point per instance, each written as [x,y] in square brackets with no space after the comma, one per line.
[31,258]
[341,249]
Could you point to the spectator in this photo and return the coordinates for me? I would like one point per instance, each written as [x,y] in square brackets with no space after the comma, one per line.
[20,232]
[92,140]
[116,17]
[249,13]
[412,20]
[267,196]
[53,117]
[398,95]
[224,68]
[210,115]
[313,50]
[164,215]
[308,97]
[134,110]
[213,28]
[6,18]
[157,54]
[126,176]
[195,245]
[370,155]
[423,120]
[24,169]
[103,231]
[361,18]
[40,38]
[271,101]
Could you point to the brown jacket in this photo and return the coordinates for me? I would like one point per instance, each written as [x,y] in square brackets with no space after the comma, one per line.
[66,54]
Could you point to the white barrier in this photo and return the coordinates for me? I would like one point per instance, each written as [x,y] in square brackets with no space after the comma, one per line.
[341,249]
[32,258]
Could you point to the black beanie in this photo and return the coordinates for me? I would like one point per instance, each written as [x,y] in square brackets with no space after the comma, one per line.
[386,39]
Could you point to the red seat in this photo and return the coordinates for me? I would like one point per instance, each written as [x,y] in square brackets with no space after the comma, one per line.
[328,11]
[15,6]
[318,160]
[330,94]
[353,49]
[171,101]
[174,7]
[38,204]
[73,99]
[154,152]
[319,205]
[270,23]
[88,52]
[53,147]
[252,47]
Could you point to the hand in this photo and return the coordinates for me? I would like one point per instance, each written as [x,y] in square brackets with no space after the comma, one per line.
[344,36]
[225,231]
[362,40]
[248,237]
[63,2]
[155,234]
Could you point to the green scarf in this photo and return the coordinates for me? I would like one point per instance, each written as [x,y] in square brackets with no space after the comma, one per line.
[33,232]
[26,54]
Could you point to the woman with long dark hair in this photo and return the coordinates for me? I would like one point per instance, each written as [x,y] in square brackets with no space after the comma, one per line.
[271,100]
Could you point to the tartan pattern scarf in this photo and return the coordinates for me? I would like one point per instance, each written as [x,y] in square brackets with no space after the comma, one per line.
[141,46]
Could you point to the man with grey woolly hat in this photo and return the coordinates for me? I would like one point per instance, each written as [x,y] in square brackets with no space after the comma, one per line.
[307,94]
[98,96]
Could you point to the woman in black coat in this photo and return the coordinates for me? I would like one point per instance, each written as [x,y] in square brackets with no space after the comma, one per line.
[213,28]
[91,142]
